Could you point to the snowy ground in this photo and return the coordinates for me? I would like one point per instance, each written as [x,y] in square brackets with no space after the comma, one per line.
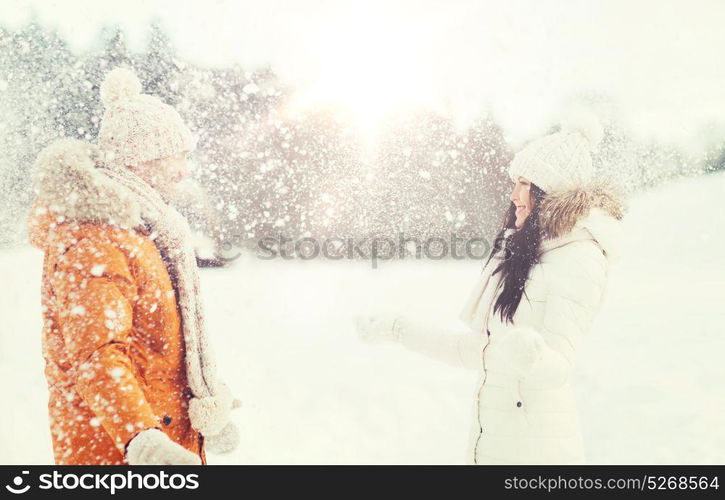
[650,380]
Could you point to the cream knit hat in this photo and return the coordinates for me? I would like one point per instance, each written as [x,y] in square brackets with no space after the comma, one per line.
[562,160]
[137,127]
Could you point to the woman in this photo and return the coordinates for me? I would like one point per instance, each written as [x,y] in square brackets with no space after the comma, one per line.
[130,375]
[539,291]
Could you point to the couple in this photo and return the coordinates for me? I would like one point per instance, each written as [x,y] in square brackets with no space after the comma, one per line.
[131,375]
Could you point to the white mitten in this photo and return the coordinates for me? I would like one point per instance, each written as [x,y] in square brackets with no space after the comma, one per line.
[224,441]
[377,329]
[517,352]
[154,447]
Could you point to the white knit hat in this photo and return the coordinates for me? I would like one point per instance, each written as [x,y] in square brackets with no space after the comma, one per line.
[137,127]
[562,160]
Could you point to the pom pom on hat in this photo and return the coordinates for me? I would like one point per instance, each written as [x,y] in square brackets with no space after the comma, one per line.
[120,85]
[587,124]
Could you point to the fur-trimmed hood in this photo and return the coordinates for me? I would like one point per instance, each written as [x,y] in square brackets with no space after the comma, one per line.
[70,186]
[592,212]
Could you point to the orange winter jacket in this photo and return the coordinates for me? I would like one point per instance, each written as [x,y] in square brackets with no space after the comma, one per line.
[112,341]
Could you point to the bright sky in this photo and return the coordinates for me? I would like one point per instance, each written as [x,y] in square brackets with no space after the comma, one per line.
[661,61]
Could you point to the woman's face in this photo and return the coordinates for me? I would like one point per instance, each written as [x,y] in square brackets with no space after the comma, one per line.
[521,197]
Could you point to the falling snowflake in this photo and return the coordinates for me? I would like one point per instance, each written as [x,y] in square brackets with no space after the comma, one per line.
[97,270]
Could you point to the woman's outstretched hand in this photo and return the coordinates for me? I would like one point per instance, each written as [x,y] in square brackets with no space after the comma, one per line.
[377,329]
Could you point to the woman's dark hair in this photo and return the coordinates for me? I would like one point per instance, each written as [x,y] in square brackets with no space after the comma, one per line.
[521,252]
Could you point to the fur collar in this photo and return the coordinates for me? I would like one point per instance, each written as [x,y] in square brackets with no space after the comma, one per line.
[71,188]
[71,183]
[592,212]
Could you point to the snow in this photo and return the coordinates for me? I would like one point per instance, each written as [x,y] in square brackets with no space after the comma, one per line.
[648,382]
[116,373]
[98,269]
[78,310]
[250,88]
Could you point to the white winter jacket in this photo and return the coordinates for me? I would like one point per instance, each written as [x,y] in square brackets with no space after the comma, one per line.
[529,416]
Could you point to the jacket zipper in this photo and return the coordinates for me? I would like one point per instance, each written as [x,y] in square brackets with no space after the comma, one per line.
[478,398]
[485,375]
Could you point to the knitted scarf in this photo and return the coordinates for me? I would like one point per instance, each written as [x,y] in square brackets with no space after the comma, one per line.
[172,236]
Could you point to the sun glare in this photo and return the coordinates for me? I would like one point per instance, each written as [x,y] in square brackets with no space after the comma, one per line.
[367,70]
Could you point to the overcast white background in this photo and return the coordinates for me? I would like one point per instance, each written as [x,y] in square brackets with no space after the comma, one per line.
[659,61]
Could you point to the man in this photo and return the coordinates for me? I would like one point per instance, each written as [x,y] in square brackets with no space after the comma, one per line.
[130,373]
